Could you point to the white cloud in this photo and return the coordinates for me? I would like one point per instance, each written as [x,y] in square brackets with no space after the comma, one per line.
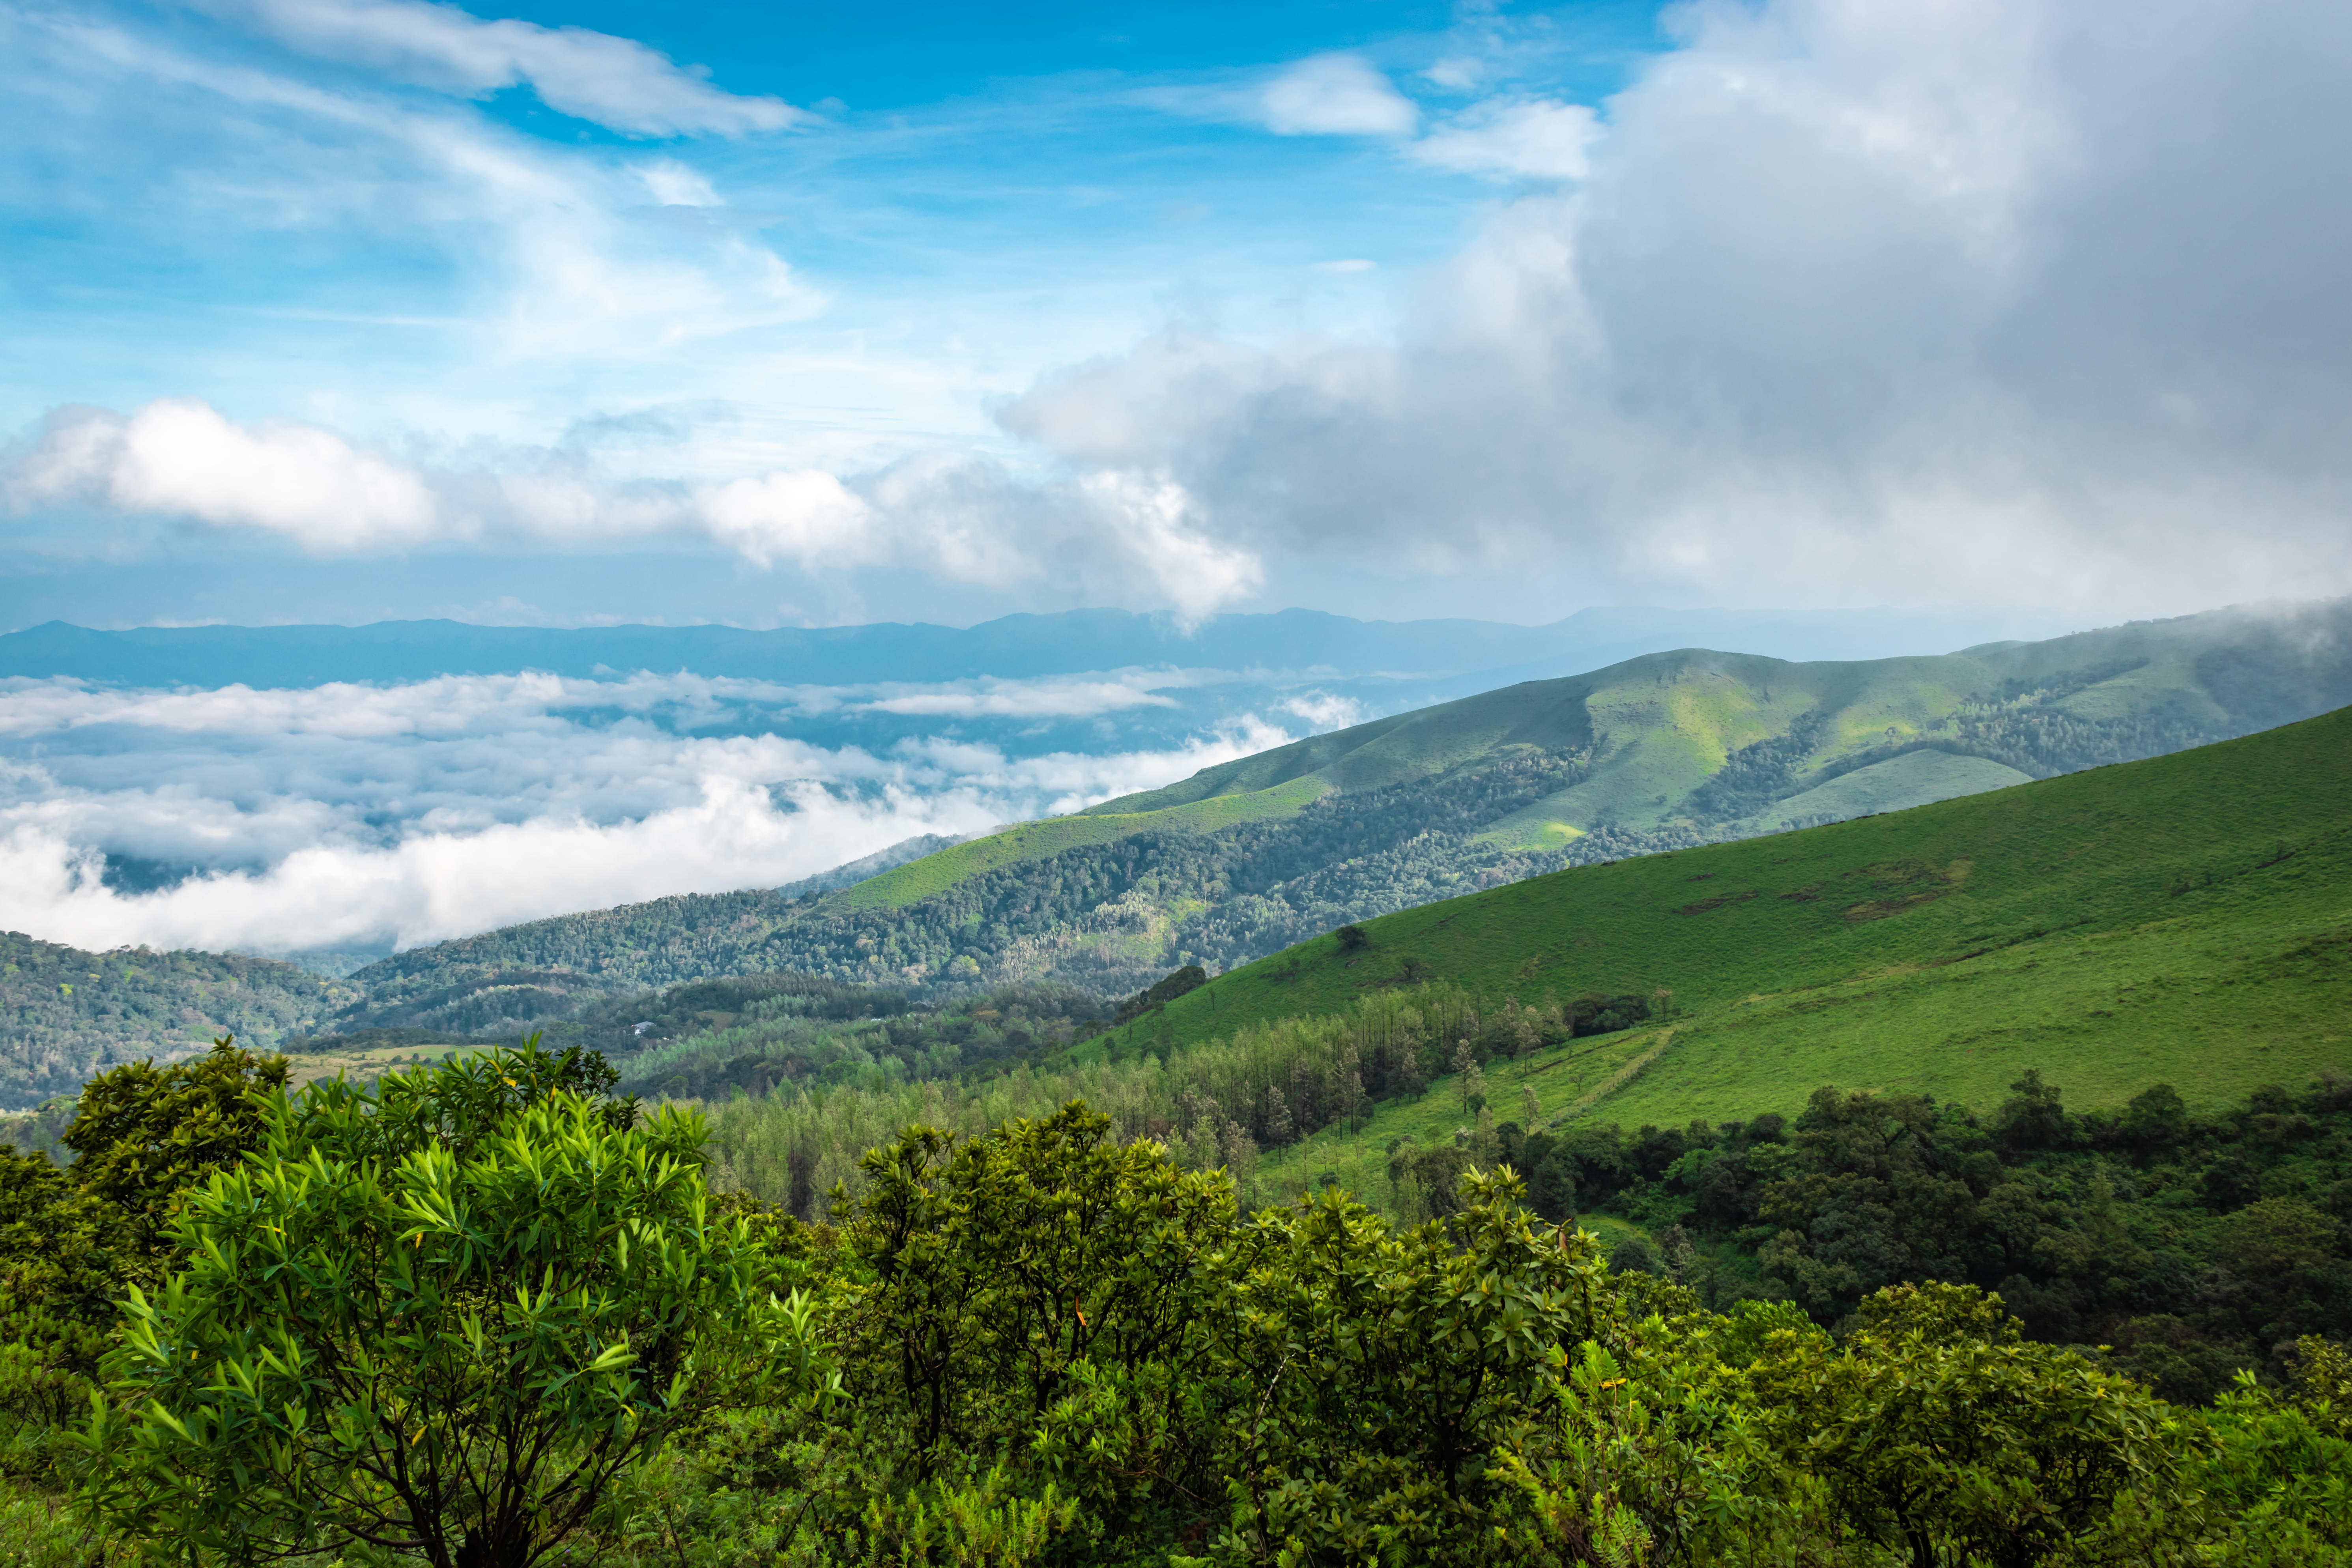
[1054,699]
[616,82]
[410,813]
[179,458]
[963,519]
[1197,571]
[673,184]
[1336,94]
[804,516]
[1534,139]
[1852,303]
[552,265]
[1324,711]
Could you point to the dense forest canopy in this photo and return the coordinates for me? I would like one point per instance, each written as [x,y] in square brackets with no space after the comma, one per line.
[482,1314]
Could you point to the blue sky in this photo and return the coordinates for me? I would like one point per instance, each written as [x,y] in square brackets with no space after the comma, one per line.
[340,309]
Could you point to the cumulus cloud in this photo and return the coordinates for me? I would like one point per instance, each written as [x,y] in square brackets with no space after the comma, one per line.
[179,456]
[350,814]
[1535,138]
[1336,94]
[961,519]
[1323,711]
[614,82]
[1853,302]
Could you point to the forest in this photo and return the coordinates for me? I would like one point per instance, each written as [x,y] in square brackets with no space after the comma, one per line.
[490,1312]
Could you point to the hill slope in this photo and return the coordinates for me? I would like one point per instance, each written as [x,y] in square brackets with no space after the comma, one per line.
[1652,753]
[2186,919]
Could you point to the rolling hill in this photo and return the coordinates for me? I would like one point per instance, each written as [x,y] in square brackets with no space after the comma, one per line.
[2186,920]
[1659,753]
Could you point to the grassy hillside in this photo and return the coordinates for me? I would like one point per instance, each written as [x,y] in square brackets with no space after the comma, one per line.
[1654,753]
[1023,841]
[65,1013]
[2186,919]
[1732,740]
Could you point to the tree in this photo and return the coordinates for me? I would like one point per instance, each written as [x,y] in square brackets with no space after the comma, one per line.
[72,1240]
[1943,1434]
[144,1135]
[1028,1327]
[1279,1128]
[1452,1394]
[2031,1118]
[437,1316]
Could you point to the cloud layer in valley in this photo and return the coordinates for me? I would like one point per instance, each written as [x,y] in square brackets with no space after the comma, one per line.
[354,817]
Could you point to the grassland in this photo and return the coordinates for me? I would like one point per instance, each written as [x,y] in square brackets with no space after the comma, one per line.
[2187,918]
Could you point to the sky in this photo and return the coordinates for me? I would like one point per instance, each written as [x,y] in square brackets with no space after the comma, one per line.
[346,309]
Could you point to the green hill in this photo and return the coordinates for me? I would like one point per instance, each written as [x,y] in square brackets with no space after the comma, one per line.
[1659,753]
[65,1013]
[2186,919]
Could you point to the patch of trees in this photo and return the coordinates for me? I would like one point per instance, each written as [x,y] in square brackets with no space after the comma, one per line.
[1221,1103]
[2197,1247]
[1159,993]
[717,1038]
[483,1314]
[1757,774]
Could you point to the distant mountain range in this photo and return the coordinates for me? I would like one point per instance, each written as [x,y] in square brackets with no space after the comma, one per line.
[1013,647]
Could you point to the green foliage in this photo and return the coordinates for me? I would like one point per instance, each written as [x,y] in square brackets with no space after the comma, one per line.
[438,1315]
[482,1314]
[2092,1229]
[1030,1314]
[143,1135]
[1941,1433]
[73,1240]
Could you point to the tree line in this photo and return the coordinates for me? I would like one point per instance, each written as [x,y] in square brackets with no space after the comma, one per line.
[489,1314]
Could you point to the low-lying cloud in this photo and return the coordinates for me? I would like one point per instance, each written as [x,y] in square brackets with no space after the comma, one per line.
[351,815]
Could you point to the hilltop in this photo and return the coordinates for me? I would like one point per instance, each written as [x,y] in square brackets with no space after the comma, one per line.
[1659,753]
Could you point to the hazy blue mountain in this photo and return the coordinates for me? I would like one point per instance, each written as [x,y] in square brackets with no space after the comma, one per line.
[1297,642]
